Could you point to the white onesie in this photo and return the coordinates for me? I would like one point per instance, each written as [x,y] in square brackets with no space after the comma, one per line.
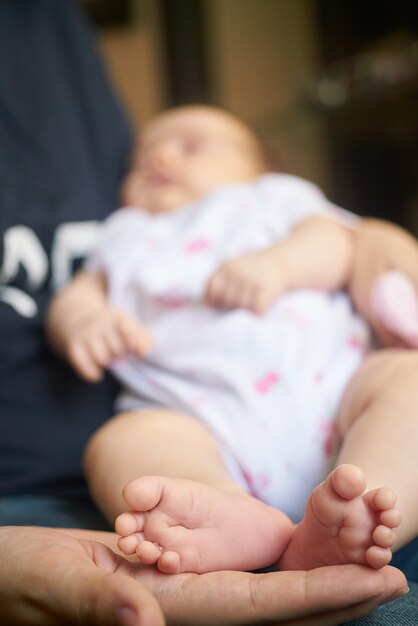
[267,387]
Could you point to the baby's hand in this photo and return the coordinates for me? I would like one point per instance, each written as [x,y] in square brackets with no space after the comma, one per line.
[251,282]
[95,342]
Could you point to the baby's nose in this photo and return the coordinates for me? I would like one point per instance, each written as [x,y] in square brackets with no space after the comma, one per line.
[164,155]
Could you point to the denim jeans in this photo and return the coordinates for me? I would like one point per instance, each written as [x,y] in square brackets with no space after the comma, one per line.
[401,612]
[64,513]
[41,510]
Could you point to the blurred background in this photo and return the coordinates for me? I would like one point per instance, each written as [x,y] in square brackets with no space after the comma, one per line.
[331,85]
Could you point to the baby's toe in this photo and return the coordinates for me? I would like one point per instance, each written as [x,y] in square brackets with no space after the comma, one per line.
[383,536]
[348,481]
[169,562]
[148,552]
[144,493]
[377,557]
[129,523]
[391,518]
[128,545]
[383,499]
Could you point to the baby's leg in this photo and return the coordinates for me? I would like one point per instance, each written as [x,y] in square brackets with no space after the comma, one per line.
[180,508]
[378,423]
[344,523]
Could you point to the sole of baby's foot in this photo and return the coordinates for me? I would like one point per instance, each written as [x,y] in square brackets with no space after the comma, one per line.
[344,523]
[185,526]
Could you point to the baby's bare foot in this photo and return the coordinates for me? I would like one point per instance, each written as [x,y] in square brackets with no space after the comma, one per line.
[185,526]
[344,524]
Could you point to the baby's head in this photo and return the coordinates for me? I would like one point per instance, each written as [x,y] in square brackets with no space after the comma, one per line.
[185,153]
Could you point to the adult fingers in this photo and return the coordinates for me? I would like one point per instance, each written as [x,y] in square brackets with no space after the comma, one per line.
[392,585]
[236,598]
[335,618]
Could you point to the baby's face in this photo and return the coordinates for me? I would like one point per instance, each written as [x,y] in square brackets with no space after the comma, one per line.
[185,153]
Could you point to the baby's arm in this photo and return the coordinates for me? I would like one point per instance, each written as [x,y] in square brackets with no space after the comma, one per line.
[317,254]
[84,329]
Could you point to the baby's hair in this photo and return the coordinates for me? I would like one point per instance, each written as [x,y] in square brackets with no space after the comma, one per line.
[269,159]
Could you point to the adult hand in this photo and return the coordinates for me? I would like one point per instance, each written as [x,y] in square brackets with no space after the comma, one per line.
[323,597]
[51,577]
[48,578]
[381,247]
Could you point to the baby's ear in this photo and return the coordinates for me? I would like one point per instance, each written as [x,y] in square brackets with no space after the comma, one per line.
[394,301]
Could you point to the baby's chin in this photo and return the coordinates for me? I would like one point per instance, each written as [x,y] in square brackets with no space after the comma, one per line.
[157,204]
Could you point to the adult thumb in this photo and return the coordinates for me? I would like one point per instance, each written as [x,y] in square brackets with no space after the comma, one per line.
[116,600]
[91,596]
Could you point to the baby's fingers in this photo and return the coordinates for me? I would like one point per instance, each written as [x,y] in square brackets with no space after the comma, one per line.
[215,291]
[223,292]
[134,336]
[260,301]
[83,361]
[115,343]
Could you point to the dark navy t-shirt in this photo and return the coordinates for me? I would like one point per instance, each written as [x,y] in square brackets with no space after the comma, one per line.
[64,144]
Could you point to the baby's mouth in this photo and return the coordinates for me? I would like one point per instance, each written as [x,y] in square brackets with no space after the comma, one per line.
[159,179]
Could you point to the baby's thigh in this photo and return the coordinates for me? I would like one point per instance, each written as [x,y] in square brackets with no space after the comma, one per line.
[154,441]
[139,433]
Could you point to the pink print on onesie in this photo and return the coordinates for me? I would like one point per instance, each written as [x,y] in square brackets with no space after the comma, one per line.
[329,430]
[358,341]
[257,482]
[266,382]
[170,299]
[197,245]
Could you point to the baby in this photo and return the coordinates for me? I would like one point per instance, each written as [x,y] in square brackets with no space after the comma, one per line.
[216,296]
